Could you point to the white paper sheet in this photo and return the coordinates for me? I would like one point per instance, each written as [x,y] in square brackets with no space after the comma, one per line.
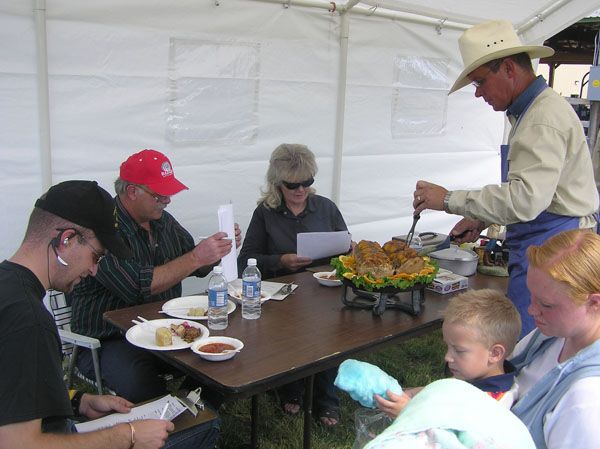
[317,245]
[151,410]
[226,224]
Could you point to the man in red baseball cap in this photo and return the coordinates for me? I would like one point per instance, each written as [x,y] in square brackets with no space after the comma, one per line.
[152,169]
[164,253]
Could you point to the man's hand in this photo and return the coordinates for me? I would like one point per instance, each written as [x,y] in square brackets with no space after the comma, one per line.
[428,196]
[238,235]
[293,262]
[94,406]
[394,405]
[468,229]
[151,433]
[212,249]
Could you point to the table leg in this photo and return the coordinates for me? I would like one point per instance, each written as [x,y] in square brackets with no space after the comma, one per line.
[254,423]
[308,396]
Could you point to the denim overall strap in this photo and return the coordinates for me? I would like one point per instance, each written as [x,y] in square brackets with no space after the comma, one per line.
[519,237]
[543,397]
[504,163]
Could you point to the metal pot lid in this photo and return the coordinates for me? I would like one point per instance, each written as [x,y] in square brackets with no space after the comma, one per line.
[455,253]
[427,238]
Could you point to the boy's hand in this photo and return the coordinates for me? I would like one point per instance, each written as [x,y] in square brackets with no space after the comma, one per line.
[394,405]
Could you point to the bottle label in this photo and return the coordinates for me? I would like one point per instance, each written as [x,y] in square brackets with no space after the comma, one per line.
[251,289]
[217,298]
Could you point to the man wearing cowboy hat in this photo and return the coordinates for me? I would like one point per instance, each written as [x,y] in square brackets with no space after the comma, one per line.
[164,254]
[546,169]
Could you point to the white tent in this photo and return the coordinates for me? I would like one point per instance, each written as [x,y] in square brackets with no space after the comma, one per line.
[218,84]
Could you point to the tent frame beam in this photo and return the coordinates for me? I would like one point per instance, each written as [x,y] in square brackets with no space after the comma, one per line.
[43,96]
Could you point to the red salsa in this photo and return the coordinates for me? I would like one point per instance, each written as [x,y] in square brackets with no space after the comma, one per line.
[216,348]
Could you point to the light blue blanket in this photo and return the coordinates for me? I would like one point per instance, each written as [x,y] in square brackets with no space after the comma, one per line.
[453,414]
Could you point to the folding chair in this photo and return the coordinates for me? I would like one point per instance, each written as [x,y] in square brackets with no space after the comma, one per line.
[71,341]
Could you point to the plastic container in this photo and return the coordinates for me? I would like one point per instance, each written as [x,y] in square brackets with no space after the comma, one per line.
[327,279]
[459,261]
[220,356]
[251,291]
[218,299]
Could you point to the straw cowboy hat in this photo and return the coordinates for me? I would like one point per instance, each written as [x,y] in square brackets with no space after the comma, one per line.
[492,40]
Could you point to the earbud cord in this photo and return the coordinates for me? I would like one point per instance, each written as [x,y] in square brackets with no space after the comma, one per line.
[48,263]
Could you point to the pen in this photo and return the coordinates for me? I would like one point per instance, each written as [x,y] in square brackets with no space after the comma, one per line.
[164,412]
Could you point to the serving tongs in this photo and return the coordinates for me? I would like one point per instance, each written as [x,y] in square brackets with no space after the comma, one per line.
[411,233]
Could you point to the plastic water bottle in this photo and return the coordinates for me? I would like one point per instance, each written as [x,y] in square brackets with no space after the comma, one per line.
[251,291]
[217,300]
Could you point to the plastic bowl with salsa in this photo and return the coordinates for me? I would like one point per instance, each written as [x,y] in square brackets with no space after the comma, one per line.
[217,348]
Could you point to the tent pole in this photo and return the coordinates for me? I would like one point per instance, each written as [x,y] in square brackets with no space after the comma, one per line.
[375,11]
[340,109]
[39,12]
[540,16]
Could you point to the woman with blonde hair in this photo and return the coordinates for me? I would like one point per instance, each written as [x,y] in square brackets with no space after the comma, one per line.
[288,206]
[558,364]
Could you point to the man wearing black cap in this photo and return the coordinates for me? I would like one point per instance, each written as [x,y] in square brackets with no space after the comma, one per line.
[69,230]
[164,254]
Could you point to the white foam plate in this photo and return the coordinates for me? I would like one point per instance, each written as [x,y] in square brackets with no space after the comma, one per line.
[178,307]
[143,335]
[237,295]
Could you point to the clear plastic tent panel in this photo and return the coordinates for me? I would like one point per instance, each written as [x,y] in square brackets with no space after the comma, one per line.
[214,89]
[419,99]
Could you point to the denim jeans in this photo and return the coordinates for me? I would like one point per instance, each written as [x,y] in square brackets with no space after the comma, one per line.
[202,436]
[131,372]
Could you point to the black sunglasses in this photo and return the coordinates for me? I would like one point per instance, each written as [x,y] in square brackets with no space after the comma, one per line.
[295,185]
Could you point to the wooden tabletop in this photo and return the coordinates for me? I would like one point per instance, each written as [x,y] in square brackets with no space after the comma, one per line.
[305,333]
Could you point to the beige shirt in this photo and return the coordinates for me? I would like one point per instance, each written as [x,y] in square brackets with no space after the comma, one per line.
[550,168]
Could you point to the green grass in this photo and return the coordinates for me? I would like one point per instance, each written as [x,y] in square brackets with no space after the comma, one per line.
[415,362]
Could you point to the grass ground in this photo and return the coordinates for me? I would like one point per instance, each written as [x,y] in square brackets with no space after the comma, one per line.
[415,362]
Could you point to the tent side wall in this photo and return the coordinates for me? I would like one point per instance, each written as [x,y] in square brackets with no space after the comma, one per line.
[217,88]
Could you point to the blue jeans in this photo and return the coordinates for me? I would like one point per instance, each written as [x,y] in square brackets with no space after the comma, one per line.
[131,372]
[202,436]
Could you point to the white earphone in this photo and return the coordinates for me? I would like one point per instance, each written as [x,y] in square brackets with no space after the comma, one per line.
[60,259]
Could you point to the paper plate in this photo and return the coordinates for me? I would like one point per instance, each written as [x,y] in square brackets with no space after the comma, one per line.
[142,335]
[179,307]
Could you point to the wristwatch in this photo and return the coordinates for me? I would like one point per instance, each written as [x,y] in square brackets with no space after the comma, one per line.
[446,203]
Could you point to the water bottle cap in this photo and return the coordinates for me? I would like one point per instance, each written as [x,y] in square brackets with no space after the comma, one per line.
[218,269]
[252,262]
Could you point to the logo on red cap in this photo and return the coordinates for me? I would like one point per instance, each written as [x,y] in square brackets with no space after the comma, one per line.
[166,169]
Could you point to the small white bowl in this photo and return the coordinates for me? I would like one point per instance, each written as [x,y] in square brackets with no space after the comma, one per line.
[322,277]
[217,357]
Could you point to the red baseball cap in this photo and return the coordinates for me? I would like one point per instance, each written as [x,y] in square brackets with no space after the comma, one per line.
[153,169]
